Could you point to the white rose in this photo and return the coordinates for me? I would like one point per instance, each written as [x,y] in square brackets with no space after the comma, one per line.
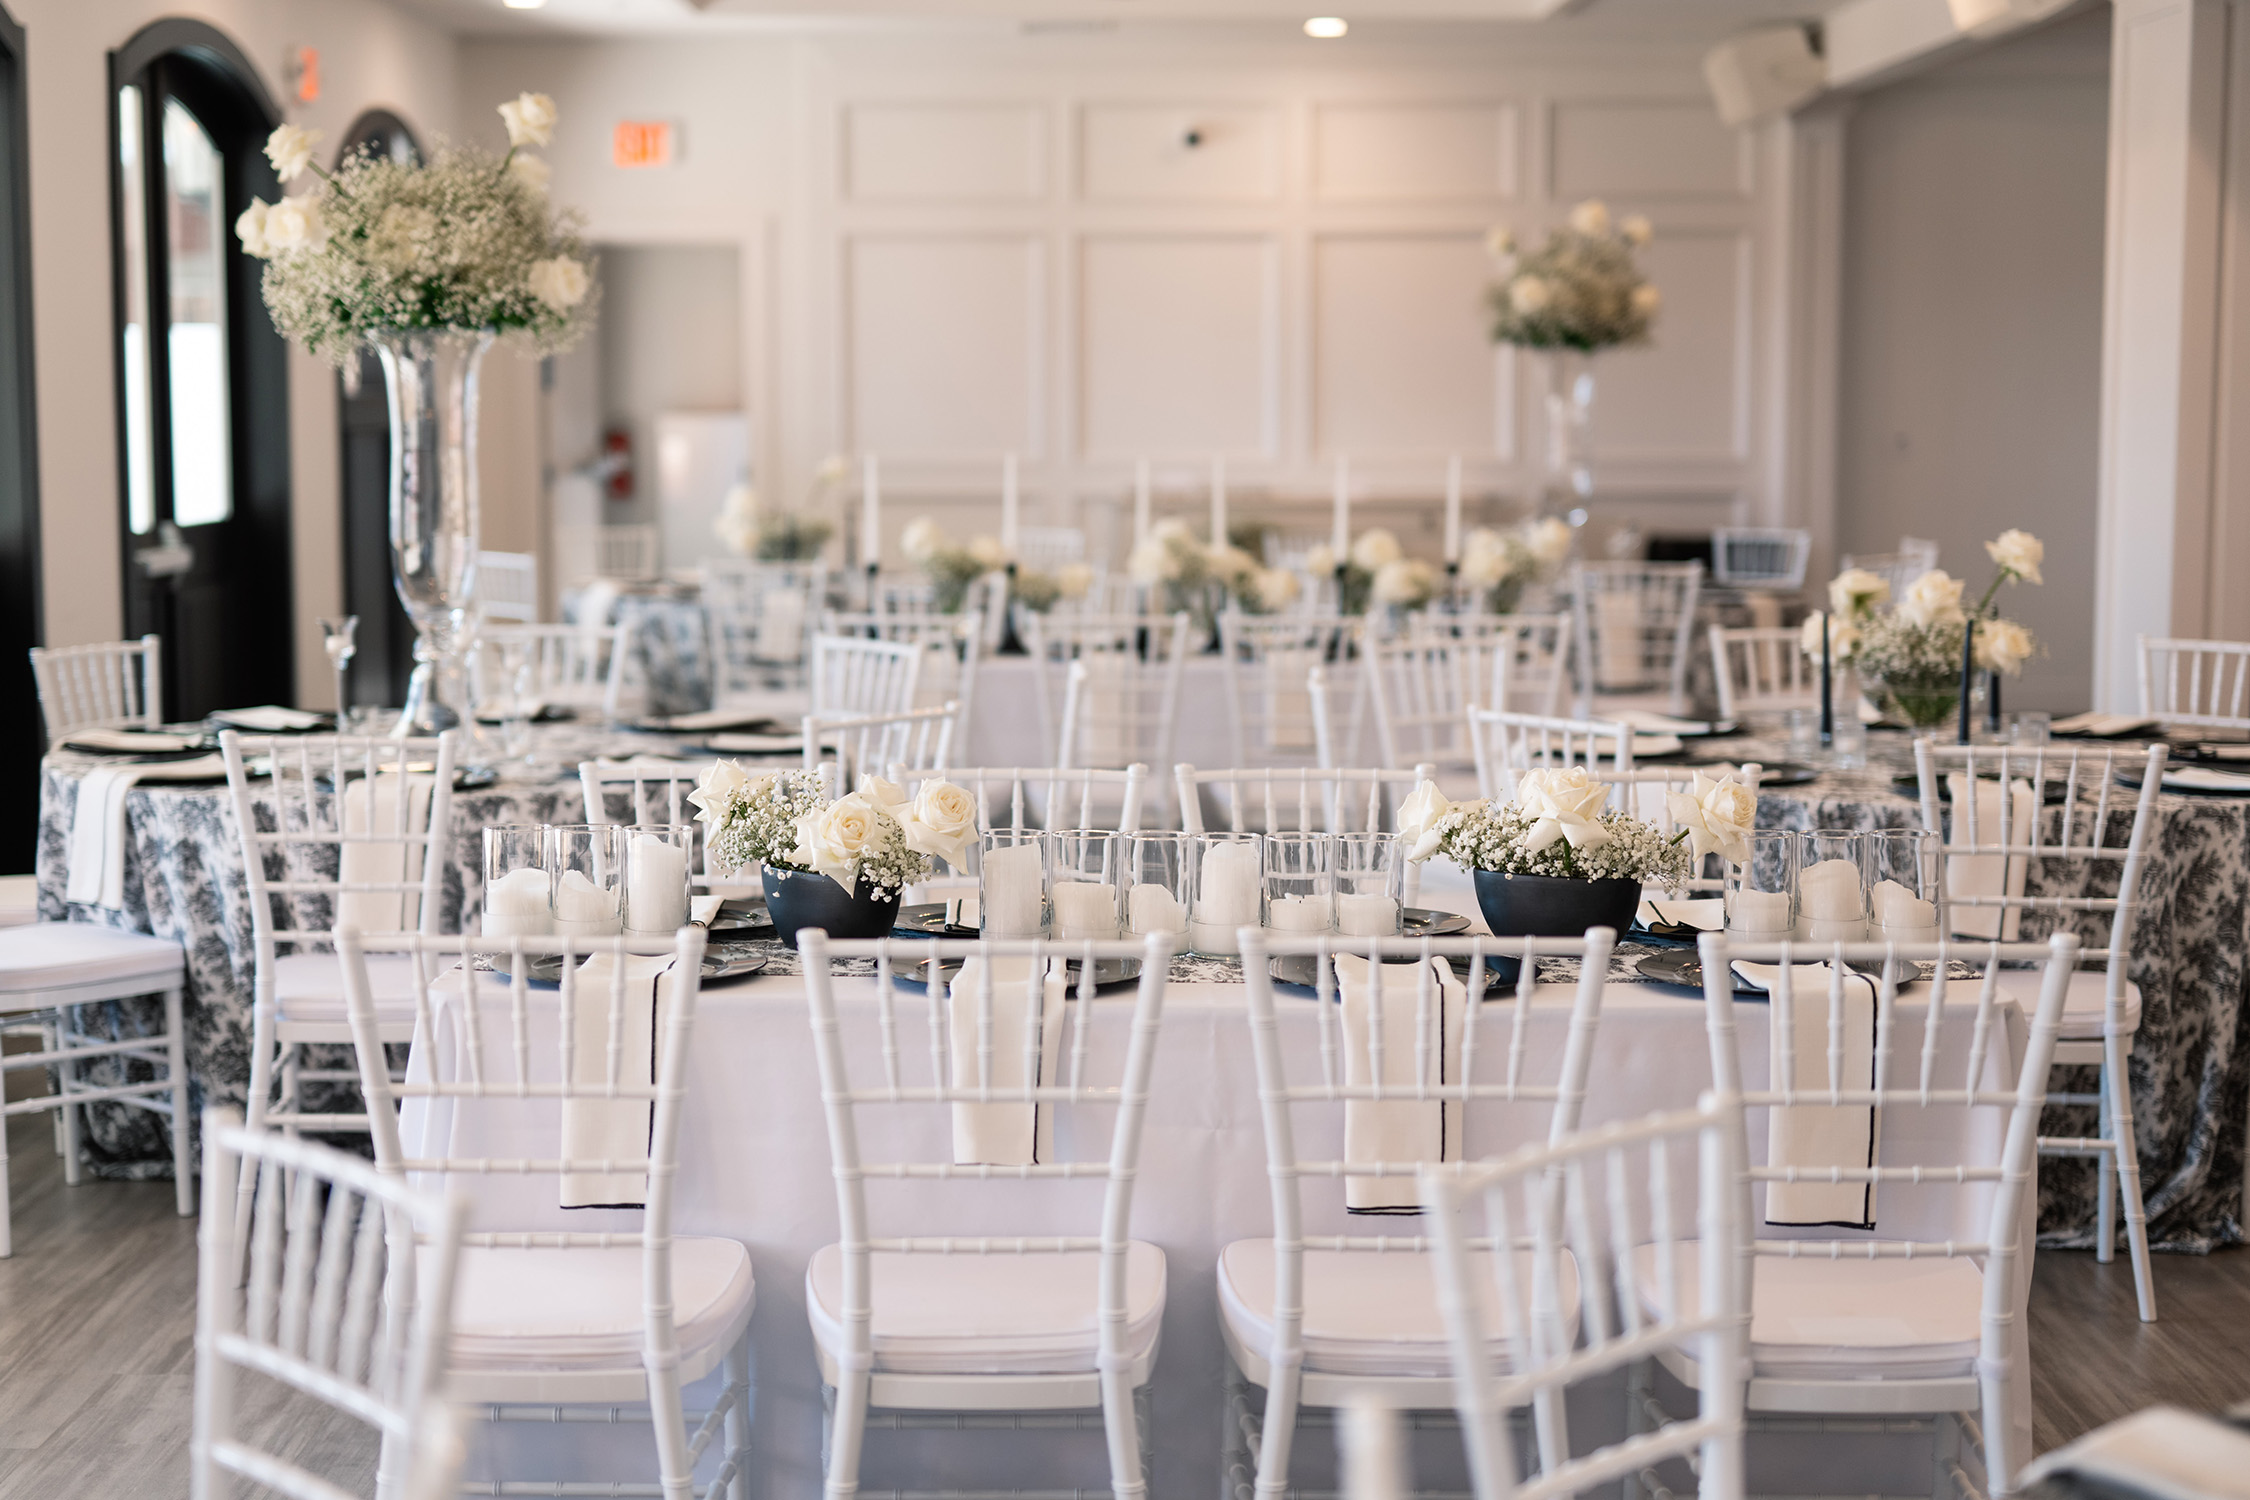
[887,795]
[1075,580]
[922,540]
[1933,599]
[2003,646]
[942,822]
[1549,539]
[835,839]
[530,119]
[1404,581]
[988,552]
[1418,819]
[1232,565]
[251,229]
[1564,804]
[561,283]
[1718,816]
[1484,559]
[1499,240]
[1590,217]
[1277,589]
[1636,230]
[1647,300]
[1152,563]
[531,172]
[294,224]
[1372,548]
[2018,553]
[290,149]
[1855,591]
[834,469]
[1843,637]
[1321,561]
[715,789]
[1529,296]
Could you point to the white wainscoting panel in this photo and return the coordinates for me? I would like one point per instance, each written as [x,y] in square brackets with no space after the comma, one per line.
[939,153]
[1646,150]
[1140,153]
[1390,153]
[1178,345]
[1401,364]
[944,334]
[1685,396]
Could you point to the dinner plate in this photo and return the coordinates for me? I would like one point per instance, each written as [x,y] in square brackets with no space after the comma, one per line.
[2051,793]
[1107,972]
[729,963]
[142,744]
[1684,967]
[741,917]
[2204,781]
[1771,773]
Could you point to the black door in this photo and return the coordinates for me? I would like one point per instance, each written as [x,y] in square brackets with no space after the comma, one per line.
[202,375]
[19,479]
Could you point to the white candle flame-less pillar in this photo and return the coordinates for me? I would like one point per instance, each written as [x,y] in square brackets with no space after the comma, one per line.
[1453,509]
[1014,897]
[584,909]
[1141,520]
[1340,529]
[1009,507]
[870,513]
[656,885]
[1085,909]
[1226,897]
[1152,908]
[1218,500]
[519,904]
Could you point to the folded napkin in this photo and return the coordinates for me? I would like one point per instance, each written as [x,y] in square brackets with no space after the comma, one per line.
[131,741]
[1651,722]
[612,1130]
[1289,723]
[758,744]
[1618,658]
[1008,1134]
[781,624]
[97,836]
[1105,711]
[2205,779]
[1813,1136]
[1410,1130]
[1988,874]
[371,807]
[270,719]
[1705,914]
[715,718]
[2161,1452]
[701,909]
[2102,726]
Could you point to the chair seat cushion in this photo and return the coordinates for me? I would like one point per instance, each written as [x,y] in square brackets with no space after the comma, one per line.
[1850,1319]
[2083,1005]
[310,986]
[1365,1313]
[50,955]
[581,1309]
[1031,1314]
[19,900]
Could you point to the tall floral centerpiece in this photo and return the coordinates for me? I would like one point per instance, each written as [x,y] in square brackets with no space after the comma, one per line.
[429,263]
[1919,652]
[1579,293]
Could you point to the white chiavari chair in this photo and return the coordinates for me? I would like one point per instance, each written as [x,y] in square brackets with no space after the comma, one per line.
[1420,691]
[918,739]
[2205,684]
[1991,841]
[508,587]
[854,675]
[1509,1343]
[1917,1314]
[656,791]
[1130,657]
[1505,743]
[1301,799]
[1047,548]
[1760,557]
[1531,654]
[759,615]
[1764,669]
[923,1322]
[1633,623]
[619,1310]
[632,553]
[571,666]
[349,1304]
[901,596]
[1020,797]
[1914,557]
[952,646]
[358,831]
[1295,1309]
[1268,659]
[110,685]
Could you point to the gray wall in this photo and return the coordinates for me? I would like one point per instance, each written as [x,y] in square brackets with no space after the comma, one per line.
[1971,357]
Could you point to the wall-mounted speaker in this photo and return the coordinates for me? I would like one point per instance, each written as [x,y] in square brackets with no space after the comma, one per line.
[1768,71]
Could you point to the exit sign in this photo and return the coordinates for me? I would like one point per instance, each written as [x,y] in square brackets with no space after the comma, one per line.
[642,143]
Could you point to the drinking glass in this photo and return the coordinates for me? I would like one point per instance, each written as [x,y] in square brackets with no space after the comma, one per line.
[1803,728]
[1089,888]
[1156,879]
[1831,887]
[1370,884]
[516,699]
[1226,891]
[2030,726]
[1012,882]
[1761,892]
[340,637]
[519,888]
[659,862]
[587,861]
[1300,883]
[1905,884]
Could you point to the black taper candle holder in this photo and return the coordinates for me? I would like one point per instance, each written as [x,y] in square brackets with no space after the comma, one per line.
[1968,670]
[1011,644]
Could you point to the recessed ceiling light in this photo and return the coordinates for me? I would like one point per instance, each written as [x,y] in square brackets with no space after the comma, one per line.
[1327,28]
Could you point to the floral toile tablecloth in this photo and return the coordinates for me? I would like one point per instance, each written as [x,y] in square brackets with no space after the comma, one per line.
[2190,1067]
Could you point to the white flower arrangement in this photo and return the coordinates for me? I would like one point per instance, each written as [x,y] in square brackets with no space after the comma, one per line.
[785,820]
[1580,290]
[1501,564]
[466,242]
[1555,826]
[1377,571]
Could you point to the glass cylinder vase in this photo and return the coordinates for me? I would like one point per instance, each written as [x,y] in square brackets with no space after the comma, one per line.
[1570,406]
[431,378]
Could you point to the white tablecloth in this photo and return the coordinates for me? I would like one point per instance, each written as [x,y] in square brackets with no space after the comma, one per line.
[755,1166]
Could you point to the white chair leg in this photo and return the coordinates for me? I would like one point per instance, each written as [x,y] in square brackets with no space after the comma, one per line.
[49,1036]
[183,1171]
[2105,1180]
[66,1075]
[1278,1430]
[738,1417]
[2117,1089]
[847,1432]
[7,1230]
[673,1467]
[1235,1477]
[1636,1397]
[1128,1480]
[254,1117]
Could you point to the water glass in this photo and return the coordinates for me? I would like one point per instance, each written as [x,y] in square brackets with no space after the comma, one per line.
[1761,892]
[1905,884]
[1370,884]
[1831,887]
[587,861]
[517,697]
[1226,891]
[659,863]
[1156,880]
[1013,881]
[340,636]
[2030,726]
[1300,883]
[1089,887]
[519,888]
[1803,728]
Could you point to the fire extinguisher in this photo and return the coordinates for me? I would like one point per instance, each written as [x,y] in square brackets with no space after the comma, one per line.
[617,462]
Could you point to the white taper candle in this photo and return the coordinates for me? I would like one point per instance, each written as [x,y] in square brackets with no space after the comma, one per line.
[1009,506]
[1218,500]
[870,514]
[1453,509]
[1340,529]
[1141,520]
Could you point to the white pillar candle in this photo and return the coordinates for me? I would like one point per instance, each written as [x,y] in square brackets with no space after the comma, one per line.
[1453,509]
[1013,898]
[1298,914]
[1902,916]
[1009,505]
[1085,909]
[1759,911]
[584,909]
[1366,916]
[1152,908]
[1226,897]
[656,885]
[1831,906]
[1340,524]
[518,905]
[870,514]
[1218,500]
[1141,519]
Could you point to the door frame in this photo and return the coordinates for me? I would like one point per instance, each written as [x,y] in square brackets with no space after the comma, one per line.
[22,598]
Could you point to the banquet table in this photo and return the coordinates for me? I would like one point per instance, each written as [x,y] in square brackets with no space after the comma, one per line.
[755,1166]
[2191,1060]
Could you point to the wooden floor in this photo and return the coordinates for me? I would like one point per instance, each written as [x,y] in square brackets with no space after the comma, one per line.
[97,1341]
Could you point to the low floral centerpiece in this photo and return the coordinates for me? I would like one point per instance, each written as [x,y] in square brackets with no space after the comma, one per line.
[787,535]
[1377,573]
[953,567]
[1500,565]
[833,863]
[1187,573]
[1917,652]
